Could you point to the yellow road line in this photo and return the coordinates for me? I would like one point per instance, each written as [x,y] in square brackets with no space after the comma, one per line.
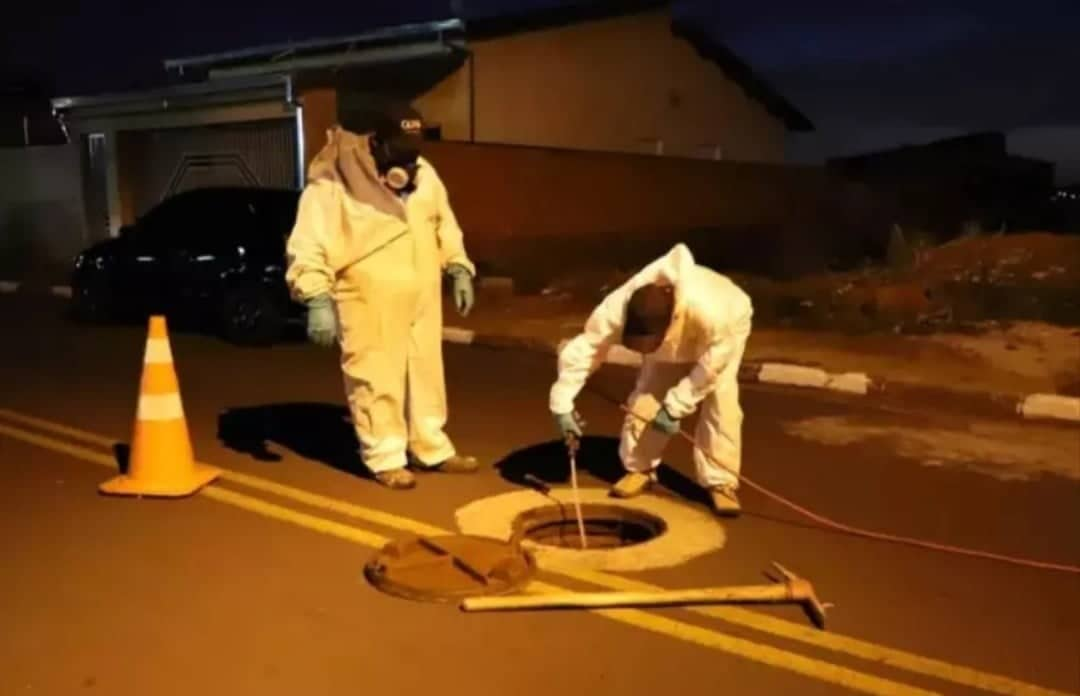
[300,495]
[57,446]
[60,429]
[893,657]
[763,654]
[332,505]
[300,519]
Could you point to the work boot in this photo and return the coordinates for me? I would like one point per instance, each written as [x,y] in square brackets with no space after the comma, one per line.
[454,465]
[724,501]
[632,485]
[398,479]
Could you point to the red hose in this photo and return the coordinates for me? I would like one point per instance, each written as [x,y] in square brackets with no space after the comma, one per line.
[827,523]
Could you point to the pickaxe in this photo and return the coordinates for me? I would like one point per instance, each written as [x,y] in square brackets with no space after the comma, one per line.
[786,588]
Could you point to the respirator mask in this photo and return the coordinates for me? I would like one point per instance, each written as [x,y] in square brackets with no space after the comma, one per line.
[396,150]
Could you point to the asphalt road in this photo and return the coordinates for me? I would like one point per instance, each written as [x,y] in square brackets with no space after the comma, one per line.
[260,590]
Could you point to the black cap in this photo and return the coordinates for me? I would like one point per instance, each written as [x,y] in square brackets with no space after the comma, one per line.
[387,118]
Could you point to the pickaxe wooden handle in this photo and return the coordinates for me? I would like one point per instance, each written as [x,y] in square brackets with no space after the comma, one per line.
[788,589]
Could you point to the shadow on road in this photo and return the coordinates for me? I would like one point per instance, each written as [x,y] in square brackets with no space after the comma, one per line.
[321,432]
[122,453]
[598,457]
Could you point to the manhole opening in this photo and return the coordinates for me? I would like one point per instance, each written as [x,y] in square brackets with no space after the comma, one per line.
[606,526]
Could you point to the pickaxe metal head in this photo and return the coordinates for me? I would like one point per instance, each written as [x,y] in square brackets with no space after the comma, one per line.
[800,590]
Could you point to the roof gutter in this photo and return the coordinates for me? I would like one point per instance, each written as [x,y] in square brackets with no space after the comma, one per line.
[391,54]
[220,91]
[405,31]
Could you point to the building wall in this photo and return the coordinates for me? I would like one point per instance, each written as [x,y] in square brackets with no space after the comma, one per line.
[621,84]
[42,223]
[531,210]
[447,105]
[617,85]
[320,113]
[528,210]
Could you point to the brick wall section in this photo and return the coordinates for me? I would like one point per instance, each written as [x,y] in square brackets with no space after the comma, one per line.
[534,211]
[525,208]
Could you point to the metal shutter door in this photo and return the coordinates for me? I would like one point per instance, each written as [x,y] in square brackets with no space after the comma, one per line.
[157,164]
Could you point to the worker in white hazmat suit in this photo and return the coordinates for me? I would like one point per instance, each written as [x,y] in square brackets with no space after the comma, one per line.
[691,325]
[374,235]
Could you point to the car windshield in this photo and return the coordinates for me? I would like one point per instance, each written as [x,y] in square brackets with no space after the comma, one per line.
[207,219]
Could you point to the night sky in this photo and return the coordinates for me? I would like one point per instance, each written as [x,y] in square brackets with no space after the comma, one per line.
[870,74]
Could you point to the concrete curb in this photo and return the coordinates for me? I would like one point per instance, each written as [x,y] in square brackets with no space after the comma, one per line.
[11,287]
[1056,407]
[1032,406]
[1050,406]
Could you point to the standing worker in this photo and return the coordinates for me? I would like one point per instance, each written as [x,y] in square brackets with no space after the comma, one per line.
[374,235]
[691,325]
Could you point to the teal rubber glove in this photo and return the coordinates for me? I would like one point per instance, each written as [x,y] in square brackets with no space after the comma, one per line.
[464,294]
[567,425]
[665,423]
[321,322]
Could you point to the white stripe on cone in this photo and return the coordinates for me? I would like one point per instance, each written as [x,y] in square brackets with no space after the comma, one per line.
[160,407]
[158,352]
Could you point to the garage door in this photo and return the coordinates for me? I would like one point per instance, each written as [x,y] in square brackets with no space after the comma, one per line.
[156,164]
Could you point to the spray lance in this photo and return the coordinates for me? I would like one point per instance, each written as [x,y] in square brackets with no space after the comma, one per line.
[573,444]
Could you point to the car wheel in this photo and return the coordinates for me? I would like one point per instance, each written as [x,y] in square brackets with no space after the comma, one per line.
[251,317]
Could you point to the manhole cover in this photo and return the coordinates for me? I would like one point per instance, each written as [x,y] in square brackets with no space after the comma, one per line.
[606,526]
[448,568]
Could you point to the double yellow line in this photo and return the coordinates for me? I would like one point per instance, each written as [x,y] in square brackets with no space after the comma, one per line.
[655,623]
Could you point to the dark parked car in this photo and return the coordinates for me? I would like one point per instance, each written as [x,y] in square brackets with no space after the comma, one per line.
[213,257]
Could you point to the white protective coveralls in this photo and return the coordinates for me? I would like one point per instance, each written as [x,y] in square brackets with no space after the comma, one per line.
[697,364]
[382,259]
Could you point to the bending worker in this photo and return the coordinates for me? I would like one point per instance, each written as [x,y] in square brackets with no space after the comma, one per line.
[690,324]
[374,234]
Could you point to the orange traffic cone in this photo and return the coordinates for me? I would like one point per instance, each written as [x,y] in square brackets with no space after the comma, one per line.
[162,462]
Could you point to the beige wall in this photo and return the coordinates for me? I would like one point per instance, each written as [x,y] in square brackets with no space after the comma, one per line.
[618,85]
[447,105]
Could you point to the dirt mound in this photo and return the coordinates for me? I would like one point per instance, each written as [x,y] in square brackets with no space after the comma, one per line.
[1036,258]
[1018,277]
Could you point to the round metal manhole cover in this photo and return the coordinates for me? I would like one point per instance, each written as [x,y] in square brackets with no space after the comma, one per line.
[449,568]
[605,526]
